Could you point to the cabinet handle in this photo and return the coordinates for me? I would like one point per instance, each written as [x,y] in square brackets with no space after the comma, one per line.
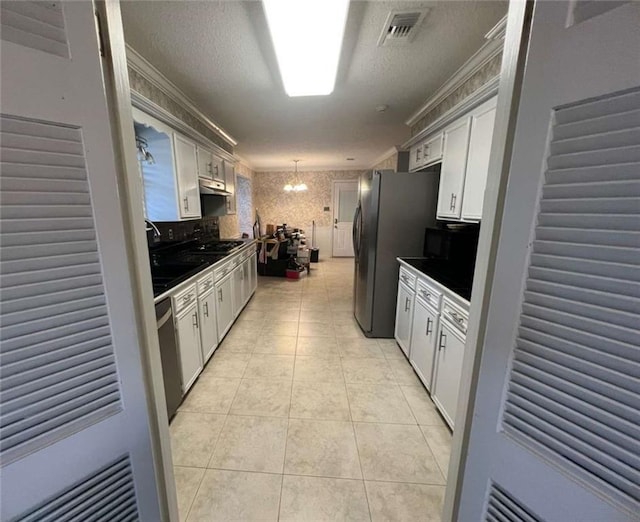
[429,324]
[195,320]
[406,304]
[210,168]
[443,341]
[206,309]
[186,203]
[452,205]
[220,294]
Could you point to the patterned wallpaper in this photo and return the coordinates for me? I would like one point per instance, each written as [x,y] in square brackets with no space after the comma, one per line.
[297,209]
[230,225]
[490,70]
[144,87]
[391,163]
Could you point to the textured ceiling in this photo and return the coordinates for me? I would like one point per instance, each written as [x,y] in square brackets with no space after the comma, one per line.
[220,55]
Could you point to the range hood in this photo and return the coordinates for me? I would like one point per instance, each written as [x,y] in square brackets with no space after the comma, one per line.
[213,187]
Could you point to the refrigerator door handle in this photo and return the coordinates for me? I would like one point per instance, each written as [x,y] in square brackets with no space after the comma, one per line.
[356,231]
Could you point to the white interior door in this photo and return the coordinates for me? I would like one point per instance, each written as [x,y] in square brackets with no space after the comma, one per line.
[74,435]
[555,433]
[345,200]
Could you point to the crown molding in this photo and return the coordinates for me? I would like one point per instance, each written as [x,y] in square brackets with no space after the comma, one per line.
[488,90]
[143,67]
[385,155]
[154,110]
[490,49]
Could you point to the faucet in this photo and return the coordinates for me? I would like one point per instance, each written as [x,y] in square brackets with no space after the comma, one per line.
[152,226]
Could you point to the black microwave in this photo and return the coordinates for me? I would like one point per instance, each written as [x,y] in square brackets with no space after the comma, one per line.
[456,246]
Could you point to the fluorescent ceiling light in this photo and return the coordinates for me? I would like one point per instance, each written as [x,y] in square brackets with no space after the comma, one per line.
[307,37]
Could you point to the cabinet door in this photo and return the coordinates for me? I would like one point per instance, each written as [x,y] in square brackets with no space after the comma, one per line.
[448,371]
[254,272]
[478,162]
[187,327]
[423,341]
[413,155]
[454,164]
[432,150]
[230,183]
[404,316]
[248,283]
[205,163]
[208,324]
[238,289]
[224,305]
[187,177]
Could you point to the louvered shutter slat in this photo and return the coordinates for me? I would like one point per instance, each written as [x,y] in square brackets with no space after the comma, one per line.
[10,319]
[57,365]
[504,508]
[108,494]
[574,385]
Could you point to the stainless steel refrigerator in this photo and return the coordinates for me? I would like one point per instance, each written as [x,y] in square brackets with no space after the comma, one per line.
[392,213]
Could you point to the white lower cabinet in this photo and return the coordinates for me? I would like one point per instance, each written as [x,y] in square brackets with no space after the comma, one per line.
[404,317]
[238,284]
[448,370]
[224,305]
[431,326]
[187,328]
[423,341]
[208,324]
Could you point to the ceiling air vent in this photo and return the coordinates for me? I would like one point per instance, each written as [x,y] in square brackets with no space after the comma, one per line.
[400,27]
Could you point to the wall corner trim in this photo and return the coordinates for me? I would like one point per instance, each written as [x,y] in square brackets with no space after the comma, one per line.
[386,154]
[491,48]
[143,67]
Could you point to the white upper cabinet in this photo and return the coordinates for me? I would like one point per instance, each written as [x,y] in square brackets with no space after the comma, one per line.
[432,150]
[426,152]
[209,165]
[171,191]
[230,185]
[454,164]
[187,173]
[482,121]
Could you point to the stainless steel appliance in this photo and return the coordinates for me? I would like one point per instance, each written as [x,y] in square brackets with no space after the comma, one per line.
[389,222]
[457,246]
[169,356]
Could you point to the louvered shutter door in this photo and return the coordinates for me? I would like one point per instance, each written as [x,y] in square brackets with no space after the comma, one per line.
[75,435]
[574,387]
[57,363]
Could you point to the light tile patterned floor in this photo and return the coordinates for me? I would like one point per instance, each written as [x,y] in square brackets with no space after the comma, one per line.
[298,416]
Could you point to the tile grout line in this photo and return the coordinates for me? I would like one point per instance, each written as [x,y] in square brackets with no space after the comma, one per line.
[355,438]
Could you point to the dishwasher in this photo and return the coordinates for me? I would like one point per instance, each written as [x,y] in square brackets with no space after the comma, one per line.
[169,356]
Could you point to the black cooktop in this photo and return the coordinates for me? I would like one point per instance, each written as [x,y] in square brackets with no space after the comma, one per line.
[455,278]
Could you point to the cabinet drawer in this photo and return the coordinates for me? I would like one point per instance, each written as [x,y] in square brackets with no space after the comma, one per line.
[428,294]
[205,283]
[407,278]
[455,314]
[221,271]
[184,299]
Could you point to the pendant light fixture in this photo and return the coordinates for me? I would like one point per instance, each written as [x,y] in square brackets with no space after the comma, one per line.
[296,186]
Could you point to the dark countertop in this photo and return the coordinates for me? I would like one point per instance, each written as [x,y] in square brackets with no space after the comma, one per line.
[173,263]
[456,279]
